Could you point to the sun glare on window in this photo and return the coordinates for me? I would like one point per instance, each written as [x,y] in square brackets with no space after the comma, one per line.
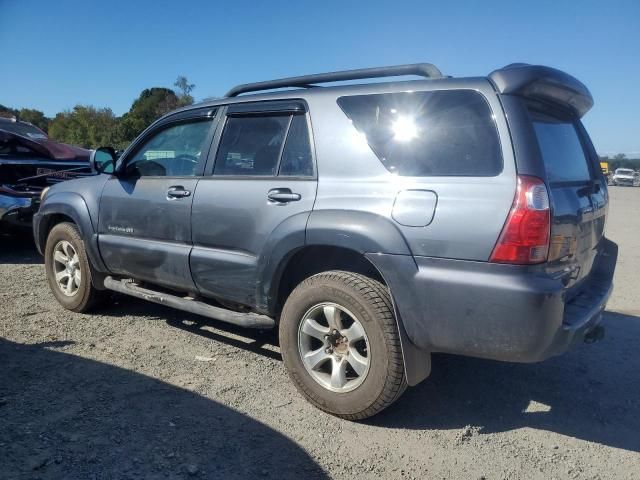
[404,129]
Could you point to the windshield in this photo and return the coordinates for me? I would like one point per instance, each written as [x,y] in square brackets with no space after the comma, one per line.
[624,171]
[24,129]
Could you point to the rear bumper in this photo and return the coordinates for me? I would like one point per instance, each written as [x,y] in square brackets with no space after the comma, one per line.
[501,312]
[17,211]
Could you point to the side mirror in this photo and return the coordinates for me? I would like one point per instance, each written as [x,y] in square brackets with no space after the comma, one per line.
[103,160]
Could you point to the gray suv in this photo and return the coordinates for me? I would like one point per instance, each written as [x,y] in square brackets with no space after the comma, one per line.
[372,224]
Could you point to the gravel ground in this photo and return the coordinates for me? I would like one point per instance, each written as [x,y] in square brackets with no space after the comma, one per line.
[141,391]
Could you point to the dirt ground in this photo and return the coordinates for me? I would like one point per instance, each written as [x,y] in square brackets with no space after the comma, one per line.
[142,391]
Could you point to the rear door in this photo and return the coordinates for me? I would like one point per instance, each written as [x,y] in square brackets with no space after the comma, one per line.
[260,188]
[145,211]
[578,193]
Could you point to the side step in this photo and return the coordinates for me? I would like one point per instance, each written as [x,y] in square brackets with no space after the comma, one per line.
[247,320]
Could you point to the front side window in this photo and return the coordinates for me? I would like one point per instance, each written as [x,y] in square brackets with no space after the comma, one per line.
[562,153]
[424,134]
[174,151]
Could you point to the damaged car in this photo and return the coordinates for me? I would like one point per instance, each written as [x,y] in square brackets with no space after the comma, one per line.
[30,162]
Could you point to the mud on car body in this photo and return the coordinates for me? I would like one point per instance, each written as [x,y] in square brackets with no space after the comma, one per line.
[371,224]
[29,163]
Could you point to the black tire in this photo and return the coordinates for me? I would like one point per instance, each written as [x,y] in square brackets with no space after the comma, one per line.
[87,296]
[371,304]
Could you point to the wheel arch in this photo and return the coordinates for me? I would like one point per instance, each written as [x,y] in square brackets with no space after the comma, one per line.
[71,207]
[340,240]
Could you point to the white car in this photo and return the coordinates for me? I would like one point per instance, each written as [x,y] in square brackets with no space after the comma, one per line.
[626,176]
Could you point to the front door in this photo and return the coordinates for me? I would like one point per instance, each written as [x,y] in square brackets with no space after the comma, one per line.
[260,192]
[144,224]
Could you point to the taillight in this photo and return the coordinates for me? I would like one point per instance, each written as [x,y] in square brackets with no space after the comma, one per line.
[525,235]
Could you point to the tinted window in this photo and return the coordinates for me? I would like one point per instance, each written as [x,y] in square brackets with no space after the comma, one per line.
[428,133]
[251,145]
[174,151]
[562,152]
[297,158]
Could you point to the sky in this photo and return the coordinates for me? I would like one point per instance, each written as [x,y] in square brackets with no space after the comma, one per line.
[56,54]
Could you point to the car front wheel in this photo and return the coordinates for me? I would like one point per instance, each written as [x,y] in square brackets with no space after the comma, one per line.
[68,270]
[340,344]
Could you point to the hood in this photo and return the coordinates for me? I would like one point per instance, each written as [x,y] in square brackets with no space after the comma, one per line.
[46,147]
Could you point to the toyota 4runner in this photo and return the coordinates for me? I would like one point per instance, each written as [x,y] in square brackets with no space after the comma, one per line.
[372,224]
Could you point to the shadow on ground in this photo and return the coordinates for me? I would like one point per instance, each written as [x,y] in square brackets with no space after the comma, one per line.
[261,342]
[591,393]
[62,416]
[18,248]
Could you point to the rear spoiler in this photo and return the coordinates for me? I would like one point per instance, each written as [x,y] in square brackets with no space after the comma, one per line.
[545,84]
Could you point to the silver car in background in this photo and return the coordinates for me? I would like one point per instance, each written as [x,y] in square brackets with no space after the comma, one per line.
[626,176]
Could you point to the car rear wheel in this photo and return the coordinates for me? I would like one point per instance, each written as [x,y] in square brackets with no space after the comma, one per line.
[340,344]
[68,270]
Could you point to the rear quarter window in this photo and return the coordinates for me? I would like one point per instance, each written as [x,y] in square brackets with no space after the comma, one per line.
[420,134]
[562,152]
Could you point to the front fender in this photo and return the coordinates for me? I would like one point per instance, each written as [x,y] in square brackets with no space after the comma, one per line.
[71,205]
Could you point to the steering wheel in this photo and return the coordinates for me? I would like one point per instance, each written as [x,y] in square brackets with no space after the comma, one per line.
[188,162]
[186,156]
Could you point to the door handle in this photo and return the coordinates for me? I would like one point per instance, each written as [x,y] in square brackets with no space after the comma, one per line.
[177,191]
[283,195]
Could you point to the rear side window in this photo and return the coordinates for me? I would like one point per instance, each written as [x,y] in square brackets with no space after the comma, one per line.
[440,133]
[251,145]
[265,145]
[297,159]
[562,153]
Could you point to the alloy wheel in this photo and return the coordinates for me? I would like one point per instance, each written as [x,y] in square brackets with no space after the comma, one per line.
[66,267]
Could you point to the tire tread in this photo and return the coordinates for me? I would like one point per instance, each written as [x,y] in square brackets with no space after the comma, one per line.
[378,296]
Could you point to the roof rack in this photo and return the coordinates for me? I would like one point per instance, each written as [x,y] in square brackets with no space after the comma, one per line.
[306,81]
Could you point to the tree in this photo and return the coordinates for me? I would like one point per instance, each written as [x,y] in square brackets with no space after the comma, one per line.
[34,116]
[151,104]
[8,112]
[186,88]
[86,126]
[26,115]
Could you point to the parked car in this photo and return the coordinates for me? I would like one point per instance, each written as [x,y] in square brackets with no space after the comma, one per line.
[371,224]
[29,163]
[626,176]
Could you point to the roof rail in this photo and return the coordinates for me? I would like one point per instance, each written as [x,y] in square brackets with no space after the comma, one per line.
[420,69]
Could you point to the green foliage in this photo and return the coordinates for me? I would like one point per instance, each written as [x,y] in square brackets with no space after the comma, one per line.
[85,126]
[34,116]
[8,112]
[150,105]
[91,127]
[185,88]
[26,115]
